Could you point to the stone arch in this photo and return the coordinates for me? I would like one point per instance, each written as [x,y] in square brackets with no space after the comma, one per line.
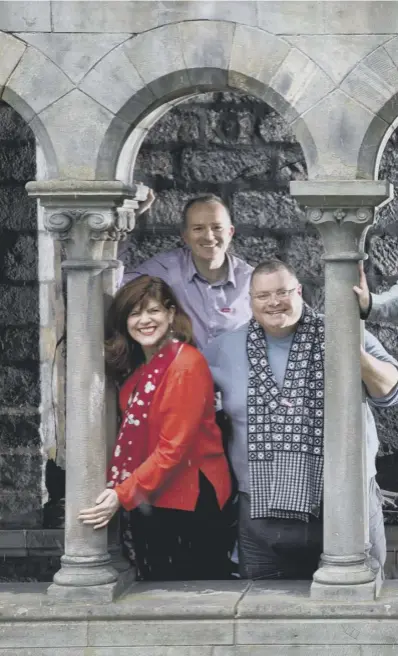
[29,83]
[373,84]
[148,72]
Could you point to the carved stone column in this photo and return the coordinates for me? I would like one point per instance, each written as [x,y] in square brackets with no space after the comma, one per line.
[84,216]
[340,211]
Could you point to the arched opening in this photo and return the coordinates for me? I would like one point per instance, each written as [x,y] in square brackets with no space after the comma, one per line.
[31,381]
[20,442]
[238,147]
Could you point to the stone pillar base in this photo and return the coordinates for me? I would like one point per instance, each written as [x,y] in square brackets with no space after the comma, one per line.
[118,561]
[95,594]
[347,592]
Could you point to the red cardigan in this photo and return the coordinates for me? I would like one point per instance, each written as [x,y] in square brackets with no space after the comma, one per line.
[183,439]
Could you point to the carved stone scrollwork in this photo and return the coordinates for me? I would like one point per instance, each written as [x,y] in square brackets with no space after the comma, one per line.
[314,215]
[59,224]
[364,214]
[125,220]
[339,215]
[100,224]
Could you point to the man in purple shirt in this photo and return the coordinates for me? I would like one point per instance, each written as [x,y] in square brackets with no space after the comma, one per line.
[211,284]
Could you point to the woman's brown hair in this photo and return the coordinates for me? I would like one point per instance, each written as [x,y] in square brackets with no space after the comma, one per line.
[122,353]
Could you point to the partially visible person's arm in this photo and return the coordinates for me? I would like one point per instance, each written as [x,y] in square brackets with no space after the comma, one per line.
[182,410]
[376,307]
[379,372]
[379,377]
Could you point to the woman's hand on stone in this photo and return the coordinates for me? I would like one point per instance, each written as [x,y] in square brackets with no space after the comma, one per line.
[100,515]
[362,290]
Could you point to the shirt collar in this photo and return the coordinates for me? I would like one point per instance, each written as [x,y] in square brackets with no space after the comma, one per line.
[192,271]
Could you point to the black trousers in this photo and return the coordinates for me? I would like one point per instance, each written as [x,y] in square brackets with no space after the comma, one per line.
[277,548]
[173,545]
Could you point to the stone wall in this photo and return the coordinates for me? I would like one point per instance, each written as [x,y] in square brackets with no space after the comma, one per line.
[20,442]
[237,147]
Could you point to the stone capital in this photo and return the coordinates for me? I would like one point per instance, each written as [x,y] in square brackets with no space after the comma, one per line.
[341,210]
[85,214]
[341,194]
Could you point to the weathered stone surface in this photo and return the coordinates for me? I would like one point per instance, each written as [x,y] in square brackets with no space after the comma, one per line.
[114,81]
[18,305]
[19,471]
[300,81]
[274,128]
[144,51]
[283,17]
[304,253]
[19,430]
[387,216]
[206,43]
[392,48]
[17,210]
[11,51]
[168,208]
[21,508]
[32,15]
[161,633]
[338,54]
[373,82]
[75,54]
[27,81]
[338,124]
[262,59]
[240,12]
[254,249]
[229,126]
[271,210]
[19,343]
[77,154]
[213,166]
[12,125]
[155,164]
[31,635]
[181,124]
[21,260]
[83,16]
[19,386]
[16,161]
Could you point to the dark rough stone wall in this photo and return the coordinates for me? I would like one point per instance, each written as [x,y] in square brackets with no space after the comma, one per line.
[239,148]
[20,458]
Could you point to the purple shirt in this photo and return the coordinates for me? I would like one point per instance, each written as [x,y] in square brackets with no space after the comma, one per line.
[214,308]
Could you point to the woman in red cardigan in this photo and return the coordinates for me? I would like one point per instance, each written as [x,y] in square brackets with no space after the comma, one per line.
[168,467]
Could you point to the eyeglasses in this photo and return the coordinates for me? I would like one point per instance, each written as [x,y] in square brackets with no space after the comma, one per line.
[279,295]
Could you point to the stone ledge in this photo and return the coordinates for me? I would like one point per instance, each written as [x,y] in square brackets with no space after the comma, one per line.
[201,600]
[197,619]
[31,542]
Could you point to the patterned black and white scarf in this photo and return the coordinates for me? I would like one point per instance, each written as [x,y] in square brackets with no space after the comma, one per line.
[285,427]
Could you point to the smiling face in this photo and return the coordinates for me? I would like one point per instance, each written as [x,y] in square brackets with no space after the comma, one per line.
[208,231]
[149,325]
[276,301]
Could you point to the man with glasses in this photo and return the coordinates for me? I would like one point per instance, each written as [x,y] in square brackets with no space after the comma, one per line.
[271,376]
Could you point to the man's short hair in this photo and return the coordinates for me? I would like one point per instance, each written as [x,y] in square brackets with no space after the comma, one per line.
[204,199]
[271,265]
